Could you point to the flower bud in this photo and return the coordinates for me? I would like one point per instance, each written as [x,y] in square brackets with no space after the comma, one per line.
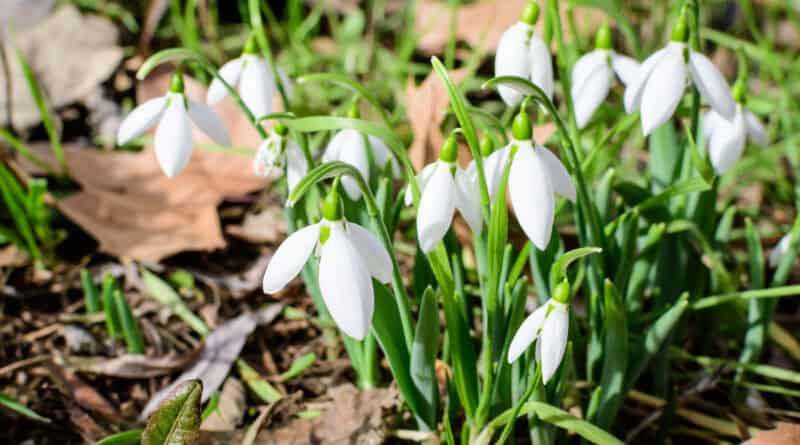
[603,39]
[487,146]
[449,152]
[561,293]
[521,129]
[354,112]
[680,32]
[280,129]
[331,205]
[250,47]
[176,83]
[530,14]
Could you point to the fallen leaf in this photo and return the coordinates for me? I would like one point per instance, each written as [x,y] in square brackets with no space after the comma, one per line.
[783,434]
[231,408]
[130,366]
[68,65]
[178,418]
[83,394]
[482,23]
[24,13]
[266,226]
[12,256]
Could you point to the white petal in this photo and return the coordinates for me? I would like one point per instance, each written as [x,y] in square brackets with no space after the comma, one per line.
[528,331]
[372,250]
[209,123]
[756,131]
[256,86]
[290,258]
[422,179]
[625,67]
[512,59]
[586,65]
[382,154]
[231,72]
[296,165]
[589,94]
[141,119]
[436,208]
[727,143]
[710,122]
[711,84]
[559,177]
[635,88]
[468,200]
[532,197]
[173,141]
[663,91]
[541,65]
[494,166]
[554,339]
[779,250]
[354,152]
[346,286]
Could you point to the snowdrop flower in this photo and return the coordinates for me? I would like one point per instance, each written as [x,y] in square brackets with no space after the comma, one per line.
[593,74]
[252,74]
[445,187]
[779,250]
[726,139]
[659,84]
[279,151]
[350,256]
[174,114]
[535,177]
[522,53]
[549,324]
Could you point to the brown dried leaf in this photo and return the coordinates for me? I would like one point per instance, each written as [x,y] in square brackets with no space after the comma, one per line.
[266,226]
[482,23]
[783,434]
[231,408]
[130,366]
[83,394]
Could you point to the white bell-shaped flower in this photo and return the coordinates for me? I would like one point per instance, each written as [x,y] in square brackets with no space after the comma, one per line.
[174,113]
[779,250]
[445,187]
[522,53]
[593,75]
[279,151]
[727,138]
[660,82]
[548,325]
[350,256]
[535,177]
[350,146]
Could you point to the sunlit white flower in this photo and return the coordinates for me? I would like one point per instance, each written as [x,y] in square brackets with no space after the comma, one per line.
[445,187]
[727,139]
[779,250]
[659,84]
[252,75]
[349,146]
[350,256]
[522,53]
[593,75]
[279,151]
[548,325]
[174,113]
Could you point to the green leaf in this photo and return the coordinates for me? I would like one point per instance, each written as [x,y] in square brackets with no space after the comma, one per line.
[773,292]
[177,419]
[19,408]
[665,156]
[298,366]
[130,327]
[258,384]
[164,294]
[615,357]
[131,437]
[676,189]
[559,268]
[14,198]
[113,325]
[90,297]
[326,171]
[423,356]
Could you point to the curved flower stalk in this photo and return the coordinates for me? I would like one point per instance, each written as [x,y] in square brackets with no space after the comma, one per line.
[251,73]
[548,325]
[174,113]
[522,53]
[350,256]
[279,151]
[593,75]
[661,81]
[445,187]
[727,139]
[535,177]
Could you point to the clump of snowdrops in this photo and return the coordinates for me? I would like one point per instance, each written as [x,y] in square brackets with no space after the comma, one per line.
[646,257]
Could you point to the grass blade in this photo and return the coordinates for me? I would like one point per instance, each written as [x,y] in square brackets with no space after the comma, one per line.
[166,295]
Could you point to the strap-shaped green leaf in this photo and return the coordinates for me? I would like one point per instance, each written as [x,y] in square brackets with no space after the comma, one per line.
[18,407]
[177,419]
[423,357]
[130,437]
[615,357]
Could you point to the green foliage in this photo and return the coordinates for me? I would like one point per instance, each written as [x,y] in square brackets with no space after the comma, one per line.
[177,419]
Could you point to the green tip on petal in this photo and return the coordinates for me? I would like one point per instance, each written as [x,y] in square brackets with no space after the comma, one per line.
[530,14]
[561,293]
[680,32]
[176,83]
[331,205]
[603,39]
[250,47]
[521,129]
[487,146]
[354,112]
[449,152]
[280,129]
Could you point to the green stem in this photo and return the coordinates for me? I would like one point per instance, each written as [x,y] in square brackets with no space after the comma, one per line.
[509,427]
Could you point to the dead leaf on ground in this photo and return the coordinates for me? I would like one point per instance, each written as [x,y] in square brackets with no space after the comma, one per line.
[83,394]
[783,434]
[230,410]
[266,226]
[481,24]
[23,13]
[12,256]
[68,65]
[130,366]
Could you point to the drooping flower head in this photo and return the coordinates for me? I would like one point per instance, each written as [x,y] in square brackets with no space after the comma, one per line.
[445,187]
[174,113]
[536,175]
[350,256]
[522,53]
[279,151]
[548,326]
[659,84]
[593,75]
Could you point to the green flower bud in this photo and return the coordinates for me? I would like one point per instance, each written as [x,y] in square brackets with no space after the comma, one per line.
[739,92]
[250,47]
[331,205]
[280,129]
[680,32]
[449,151]
[354,112]
[487,146]
[561,293]
[176,83]
[530,14]
[521,129]
[603,39]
